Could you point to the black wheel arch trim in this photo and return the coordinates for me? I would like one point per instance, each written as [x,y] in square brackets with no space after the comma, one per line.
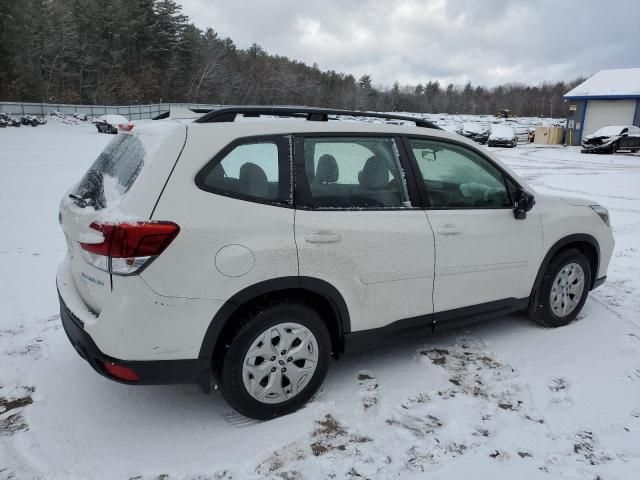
[559,245]
[310,284]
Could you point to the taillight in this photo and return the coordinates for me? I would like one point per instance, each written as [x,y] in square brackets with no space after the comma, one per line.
[126,247]
[120,371]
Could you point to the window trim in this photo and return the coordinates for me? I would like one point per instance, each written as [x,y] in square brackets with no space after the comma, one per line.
[426,204]
[282,143]
[302,190]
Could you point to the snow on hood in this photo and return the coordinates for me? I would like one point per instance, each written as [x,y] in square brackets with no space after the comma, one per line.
[501,132]
[474,127]
[608,131]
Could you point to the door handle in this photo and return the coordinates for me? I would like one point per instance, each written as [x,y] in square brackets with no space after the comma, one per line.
[449,230]
[323,238]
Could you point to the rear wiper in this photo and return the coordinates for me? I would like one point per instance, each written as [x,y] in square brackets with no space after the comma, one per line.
[81,202]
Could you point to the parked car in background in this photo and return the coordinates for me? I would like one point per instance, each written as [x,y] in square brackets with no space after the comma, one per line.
[502,136]
[7,120]
[185,264]
[109,123]
[31,120]
[450,127]
[611,139]
[477,132]
[521,130]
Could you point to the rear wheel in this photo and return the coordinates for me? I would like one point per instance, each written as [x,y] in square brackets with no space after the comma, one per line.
[563,290]
[276,360]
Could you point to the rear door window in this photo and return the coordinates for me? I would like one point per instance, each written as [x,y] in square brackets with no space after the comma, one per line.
[353,173]
[112,174]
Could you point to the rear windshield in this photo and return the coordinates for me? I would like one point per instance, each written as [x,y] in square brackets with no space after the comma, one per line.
[112,174]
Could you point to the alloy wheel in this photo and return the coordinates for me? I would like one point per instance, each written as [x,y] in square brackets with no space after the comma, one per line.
[566,290]
[280,363]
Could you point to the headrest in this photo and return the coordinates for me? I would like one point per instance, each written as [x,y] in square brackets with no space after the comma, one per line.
[253,181]
[327,170]
[374,174]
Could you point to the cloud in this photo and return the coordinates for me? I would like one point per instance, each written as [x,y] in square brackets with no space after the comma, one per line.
[486,42]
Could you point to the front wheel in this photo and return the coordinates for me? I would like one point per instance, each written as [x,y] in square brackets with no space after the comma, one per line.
[276,360]
[614,147]
[563,290]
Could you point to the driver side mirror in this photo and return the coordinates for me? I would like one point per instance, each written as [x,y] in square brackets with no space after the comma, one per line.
[524,202]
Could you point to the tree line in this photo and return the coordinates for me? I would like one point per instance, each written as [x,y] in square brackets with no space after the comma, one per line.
[147,51]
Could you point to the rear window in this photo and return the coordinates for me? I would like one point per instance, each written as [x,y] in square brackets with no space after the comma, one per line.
[112,174]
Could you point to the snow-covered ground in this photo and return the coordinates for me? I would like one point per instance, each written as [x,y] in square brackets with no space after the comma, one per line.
[504,399]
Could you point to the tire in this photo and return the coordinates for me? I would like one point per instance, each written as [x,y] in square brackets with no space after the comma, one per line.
[542,308]
[236,377]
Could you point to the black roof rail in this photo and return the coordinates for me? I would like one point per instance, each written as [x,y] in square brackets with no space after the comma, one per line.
[228,114]
[166,114]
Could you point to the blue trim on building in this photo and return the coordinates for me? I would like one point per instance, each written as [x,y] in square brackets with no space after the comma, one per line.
[602,97]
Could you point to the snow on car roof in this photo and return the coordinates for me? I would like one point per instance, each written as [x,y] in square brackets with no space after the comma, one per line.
[620,81]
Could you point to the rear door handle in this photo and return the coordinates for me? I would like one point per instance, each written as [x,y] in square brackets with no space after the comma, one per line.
[449,230]
[323,238]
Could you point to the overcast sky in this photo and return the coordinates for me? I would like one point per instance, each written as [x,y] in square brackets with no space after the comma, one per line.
[487,42]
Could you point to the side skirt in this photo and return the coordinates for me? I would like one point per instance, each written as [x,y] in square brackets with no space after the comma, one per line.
[425,324]
[477,313]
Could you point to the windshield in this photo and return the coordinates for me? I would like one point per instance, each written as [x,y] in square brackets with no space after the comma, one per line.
[112,174]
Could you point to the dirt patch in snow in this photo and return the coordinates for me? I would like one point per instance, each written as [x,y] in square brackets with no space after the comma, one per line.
[474,373]
[11,419]
[330,439]
[368,386]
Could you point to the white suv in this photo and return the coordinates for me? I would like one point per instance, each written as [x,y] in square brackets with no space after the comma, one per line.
[244,252]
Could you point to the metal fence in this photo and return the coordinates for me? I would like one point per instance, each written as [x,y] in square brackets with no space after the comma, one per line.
[132,112]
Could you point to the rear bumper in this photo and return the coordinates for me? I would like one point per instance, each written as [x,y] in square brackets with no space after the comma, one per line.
[155,372]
